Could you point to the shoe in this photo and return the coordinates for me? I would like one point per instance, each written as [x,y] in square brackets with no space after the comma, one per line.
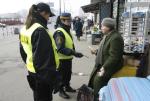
[63,94]
[70,89]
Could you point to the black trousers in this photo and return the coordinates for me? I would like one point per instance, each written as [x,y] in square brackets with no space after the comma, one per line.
[41,90]
[66,71]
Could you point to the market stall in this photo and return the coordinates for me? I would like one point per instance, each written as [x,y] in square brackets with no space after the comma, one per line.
[135,28]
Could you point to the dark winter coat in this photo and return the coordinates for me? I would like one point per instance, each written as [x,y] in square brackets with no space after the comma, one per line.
[78,28]
[112,57]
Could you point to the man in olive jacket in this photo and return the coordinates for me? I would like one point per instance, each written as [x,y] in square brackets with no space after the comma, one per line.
[109,56]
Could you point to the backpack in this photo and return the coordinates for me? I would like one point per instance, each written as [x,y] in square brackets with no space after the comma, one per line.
[85,93]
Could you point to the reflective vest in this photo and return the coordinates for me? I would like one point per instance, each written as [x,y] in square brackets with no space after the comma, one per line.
[25,39]
[68,44]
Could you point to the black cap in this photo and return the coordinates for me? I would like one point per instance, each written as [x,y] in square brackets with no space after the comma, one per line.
[45,7]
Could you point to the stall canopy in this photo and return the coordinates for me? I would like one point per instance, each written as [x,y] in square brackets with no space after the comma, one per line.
[95,5]
[91,7]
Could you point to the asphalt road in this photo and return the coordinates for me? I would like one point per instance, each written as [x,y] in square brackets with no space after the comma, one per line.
[13,83]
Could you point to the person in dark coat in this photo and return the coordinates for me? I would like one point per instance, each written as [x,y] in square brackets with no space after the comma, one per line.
[73,22]
[109,56]
[78,28]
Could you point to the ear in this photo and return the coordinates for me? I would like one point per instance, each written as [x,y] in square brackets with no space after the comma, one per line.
[46,13]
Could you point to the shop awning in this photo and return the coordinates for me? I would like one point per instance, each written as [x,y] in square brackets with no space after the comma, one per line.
[96,1]
[90,7]
[95,5]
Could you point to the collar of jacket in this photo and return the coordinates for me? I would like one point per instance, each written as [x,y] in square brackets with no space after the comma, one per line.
[41,20]
[110,34]
[65,27]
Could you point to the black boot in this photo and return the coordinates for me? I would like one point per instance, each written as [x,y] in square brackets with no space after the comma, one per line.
[63,94]
[70,89]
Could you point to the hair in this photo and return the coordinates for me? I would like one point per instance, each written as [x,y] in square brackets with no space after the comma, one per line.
[31,16]
[58,21]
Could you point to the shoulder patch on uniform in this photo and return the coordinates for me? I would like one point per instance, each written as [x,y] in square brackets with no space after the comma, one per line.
[59,40]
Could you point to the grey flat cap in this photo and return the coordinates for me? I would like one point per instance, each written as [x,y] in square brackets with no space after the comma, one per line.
[109,22]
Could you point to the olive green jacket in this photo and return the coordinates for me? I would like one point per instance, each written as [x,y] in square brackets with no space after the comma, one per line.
[112,55]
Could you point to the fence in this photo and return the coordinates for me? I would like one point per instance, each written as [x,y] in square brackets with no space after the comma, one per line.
[8,31]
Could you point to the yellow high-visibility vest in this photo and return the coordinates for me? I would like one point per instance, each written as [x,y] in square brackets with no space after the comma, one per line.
[25,39]
[68,44]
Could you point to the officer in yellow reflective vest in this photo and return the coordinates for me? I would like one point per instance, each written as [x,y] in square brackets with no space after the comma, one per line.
[66,50]
[39,52]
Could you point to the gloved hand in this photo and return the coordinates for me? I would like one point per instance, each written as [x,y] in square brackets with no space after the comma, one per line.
[78,55]
[58,84]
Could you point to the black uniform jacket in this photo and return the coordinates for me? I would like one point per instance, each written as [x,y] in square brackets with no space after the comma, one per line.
[43,54]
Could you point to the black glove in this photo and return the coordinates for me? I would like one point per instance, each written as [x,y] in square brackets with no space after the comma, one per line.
[78,55]
[58,84]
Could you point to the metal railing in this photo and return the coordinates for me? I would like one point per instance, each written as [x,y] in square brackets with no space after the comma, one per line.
[8,31]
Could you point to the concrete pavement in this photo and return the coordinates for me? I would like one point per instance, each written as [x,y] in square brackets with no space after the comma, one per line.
[13,83]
